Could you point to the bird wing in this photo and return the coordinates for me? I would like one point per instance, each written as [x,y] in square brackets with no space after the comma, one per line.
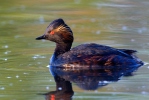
[90,52]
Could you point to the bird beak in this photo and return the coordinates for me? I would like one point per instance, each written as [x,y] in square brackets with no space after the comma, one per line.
[41,37]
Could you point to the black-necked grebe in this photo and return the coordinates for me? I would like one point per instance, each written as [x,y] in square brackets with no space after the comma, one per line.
[85,54]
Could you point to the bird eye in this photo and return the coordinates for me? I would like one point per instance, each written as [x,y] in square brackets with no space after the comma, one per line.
[52,32]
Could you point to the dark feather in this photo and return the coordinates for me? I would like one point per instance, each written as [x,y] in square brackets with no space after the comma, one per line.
[128,51]
[94,54]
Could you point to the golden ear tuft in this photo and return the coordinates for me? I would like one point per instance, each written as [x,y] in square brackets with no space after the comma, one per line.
[64,28]
[61,28]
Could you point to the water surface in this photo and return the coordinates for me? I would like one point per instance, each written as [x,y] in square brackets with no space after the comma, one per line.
[23,60]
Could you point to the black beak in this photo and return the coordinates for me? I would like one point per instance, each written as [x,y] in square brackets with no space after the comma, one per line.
[41,37]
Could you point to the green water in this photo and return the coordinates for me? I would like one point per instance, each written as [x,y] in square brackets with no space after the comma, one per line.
[23,60]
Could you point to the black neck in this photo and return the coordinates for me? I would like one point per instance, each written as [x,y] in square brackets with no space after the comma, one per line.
[62,48]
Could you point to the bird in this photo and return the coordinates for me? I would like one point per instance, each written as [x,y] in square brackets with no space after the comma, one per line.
[85,55]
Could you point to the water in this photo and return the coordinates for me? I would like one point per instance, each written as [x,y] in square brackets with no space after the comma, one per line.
[23,60]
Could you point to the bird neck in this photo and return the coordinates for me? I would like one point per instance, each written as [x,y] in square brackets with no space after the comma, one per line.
[62,48]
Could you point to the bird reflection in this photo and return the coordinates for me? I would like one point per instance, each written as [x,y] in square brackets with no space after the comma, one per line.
[63,90]
[86,77]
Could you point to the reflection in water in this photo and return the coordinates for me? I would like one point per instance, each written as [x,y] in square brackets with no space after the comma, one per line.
[87,78]
[63,90]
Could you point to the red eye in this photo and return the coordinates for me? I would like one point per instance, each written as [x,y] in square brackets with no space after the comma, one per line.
[52,32]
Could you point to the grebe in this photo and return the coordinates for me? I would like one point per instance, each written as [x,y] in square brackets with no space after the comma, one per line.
[85,54]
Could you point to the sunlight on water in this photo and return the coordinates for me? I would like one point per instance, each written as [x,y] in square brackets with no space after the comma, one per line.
[41,20]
